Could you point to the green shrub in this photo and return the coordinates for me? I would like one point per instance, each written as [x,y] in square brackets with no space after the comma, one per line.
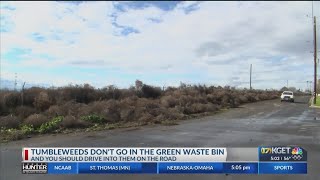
[10,134]
[27,129]
[51,125]
[150,91]
[93,118]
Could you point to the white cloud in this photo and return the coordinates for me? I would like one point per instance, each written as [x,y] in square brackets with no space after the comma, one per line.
[249,32]
[140,19]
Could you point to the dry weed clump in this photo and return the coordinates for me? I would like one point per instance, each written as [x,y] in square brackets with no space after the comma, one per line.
[11,99]
[169,101]
[42,101]
[55,110]
[9,121]
[30,95]
[36,120]
[72,122]
[24,111]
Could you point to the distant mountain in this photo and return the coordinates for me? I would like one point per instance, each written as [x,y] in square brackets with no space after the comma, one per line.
[9,84]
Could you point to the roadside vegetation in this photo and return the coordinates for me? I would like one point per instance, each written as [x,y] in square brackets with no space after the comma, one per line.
[318,101]
[83,107]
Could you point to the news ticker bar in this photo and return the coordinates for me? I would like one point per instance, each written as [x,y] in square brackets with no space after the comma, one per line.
[164,154]
[166,168]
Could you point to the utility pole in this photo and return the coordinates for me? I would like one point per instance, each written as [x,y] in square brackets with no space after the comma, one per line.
[312,8]
[22,93]
[312,18]
[315,60]
[309,85]
[250,75]
[288,84]
[15,81]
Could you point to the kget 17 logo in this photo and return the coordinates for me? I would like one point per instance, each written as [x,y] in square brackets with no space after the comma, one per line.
[276,150]
[265,150]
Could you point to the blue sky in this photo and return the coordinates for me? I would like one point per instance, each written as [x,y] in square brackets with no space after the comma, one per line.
[160,43]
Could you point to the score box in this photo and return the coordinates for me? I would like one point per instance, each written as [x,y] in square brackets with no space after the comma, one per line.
[282,153]
[62,168]
[117,168]
[192,167]
[283,168]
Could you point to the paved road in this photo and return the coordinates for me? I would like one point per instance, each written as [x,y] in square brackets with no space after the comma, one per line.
[252,125]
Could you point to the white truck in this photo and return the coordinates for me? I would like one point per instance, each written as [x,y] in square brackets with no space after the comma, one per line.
[287,96]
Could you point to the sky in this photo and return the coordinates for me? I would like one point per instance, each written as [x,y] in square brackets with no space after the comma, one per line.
[160,43]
